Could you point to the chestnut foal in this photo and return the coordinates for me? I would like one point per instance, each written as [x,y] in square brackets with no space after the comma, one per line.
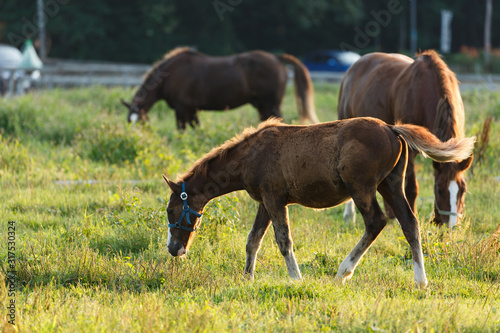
[316,166]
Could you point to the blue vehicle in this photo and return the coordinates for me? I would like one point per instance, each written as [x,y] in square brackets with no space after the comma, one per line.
[330,60]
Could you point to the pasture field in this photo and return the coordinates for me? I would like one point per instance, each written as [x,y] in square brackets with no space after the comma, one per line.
[86,196]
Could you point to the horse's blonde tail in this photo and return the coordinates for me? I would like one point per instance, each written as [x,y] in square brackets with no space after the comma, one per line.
[420,139]
[304,92]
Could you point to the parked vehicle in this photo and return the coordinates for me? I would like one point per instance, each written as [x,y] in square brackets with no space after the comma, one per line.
[10,58]
[330,60]
[14,74]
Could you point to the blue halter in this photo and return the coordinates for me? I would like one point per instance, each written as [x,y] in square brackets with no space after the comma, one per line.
[185,212]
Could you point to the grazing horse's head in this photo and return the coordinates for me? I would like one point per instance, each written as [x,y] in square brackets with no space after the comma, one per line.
[135,112]
[449,191]
[184,217]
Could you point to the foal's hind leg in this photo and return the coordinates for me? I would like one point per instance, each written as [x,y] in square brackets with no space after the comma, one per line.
[375,221]
[391,190]
[393,194]
[279,217]
[411,184]
[259,228]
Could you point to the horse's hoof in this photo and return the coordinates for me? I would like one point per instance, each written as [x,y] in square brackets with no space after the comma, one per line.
[342,278]
[422,284]
[248,276]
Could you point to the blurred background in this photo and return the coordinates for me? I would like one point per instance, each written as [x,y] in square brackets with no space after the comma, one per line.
[140,32]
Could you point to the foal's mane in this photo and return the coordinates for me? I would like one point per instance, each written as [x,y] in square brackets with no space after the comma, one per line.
[202,165]
[449,121]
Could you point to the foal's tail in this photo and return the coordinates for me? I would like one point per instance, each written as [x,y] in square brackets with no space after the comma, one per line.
[419,138]
[304,93]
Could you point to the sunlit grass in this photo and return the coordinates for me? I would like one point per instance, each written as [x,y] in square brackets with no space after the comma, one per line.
[86,192]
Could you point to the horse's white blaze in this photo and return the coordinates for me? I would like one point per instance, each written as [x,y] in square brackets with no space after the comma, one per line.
[349,212]
[134,117]
[169,238]
[453,189]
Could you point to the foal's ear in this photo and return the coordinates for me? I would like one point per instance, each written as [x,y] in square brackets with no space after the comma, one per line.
[173,185]
[125,103]
[465,164]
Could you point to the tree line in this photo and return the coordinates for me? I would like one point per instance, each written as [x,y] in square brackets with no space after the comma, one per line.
[142,31]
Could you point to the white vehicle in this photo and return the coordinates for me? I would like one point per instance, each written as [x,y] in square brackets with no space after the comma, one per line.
[13,79]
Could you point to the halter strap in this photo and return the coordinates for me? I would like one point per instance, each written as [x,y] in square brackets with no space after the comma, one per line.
[185,212]
[445,212]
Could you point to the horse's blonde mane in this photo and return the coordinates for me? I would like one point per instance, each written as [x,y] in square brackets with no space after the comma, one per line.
[201,166]
[446,78]
[449,121]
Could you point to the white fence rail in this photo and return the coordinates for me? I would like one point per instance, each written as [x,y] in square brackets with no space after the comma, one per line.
[74,74]
[67,74]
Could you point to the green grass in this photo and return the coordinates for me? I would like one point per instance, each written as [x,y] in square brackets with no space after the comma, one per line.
[87,195]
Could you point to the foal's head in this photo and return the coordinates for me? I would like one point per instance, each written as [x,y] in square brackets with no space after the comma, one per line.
[184,217]
[449,191]
[135,112]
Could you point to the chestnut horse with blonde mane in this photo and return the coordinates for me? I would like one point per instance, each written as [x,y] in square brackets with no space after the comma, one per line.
[190,81]
[316,166]
[424,91]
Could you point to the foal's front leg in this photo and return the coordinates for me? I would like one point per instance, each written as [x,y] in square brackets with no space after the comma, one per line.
[279,216]
[254,239]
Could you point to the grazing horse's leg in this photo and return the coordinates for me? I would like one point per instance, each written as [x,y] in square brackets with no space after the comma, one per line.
[349,212]
[181,124]
[193,119]
[267,108]
[254,239]
[279,217]
[391,190]
[181,115]
[375,221]
[266,113]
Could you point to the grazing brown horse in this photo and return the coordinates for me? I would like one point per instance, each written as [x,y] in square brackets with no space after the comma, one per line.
[190,81]
[424,92]
[316,166]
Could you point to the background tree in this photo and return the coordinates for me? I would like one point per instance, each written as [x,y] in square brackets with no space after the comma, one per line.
[142,31]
